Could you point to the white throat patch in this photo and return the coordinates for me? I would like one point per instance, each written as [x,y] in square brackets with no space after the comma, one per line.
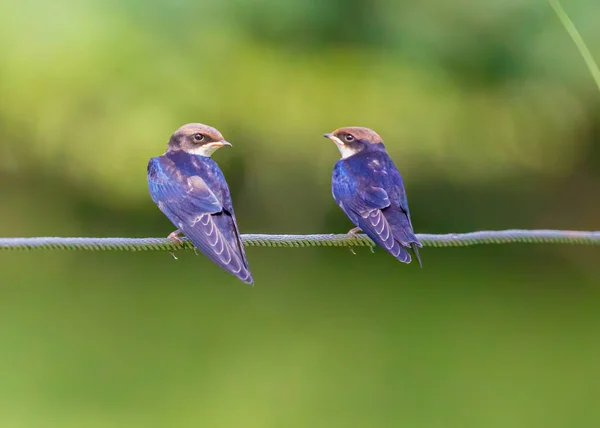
[206,149]
[344,149]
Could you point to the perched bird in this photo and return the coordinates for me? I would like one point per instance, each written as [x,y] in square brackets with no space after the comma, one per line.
[368,187]
[190,189]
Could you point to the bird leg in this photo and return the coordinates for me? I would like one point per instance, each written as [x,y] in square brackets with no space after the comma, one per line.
[174,236]
[352,232]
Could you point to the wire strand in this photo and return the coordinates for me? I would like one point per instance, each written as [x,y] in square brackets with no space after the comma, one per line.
[327,240]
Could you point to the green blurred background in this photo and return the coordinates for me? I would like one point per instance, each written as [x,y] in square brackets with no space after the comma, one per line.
[487,109]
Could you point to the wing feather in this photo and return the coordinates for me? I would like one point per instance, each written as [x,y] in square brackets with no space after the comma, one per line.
[365,209]
[193,207]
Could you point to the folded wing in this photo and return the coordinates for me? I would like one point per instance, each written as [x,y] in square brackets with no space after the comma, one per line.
[194,209]
[365,208]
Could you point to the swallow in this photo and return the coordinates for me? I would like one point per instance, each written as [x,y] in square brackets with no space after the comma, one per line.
[190,189]
[369,189]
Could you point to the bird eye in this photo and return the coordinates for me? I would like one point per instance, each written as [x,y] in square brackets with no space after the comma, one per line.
[198,137]
[349,138]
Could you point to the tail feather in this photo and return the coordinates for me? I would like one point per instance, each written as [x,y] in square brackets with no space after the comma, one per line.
[404,235]
[403,256]
[415,247]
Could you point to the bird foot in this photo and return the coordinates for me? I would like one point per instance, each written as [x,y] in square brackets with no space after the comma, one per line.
[174,236]
[352,232]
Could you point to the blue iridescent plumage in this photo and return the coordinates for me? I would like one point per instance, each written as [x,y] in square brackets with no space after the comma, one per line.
[368,187]
[190,189]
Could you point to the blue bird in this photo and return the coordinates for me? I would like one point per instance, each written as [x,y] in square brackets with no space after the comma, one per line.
[368,187]
[190,189]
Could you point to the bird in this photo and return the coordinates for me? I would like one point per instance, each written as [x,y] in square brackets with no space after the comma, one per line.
[369,189]
[190,189]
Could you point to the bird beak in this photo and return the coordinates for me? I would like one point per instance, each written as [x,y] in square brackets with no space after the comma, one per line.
[344,150]
[210,148]
[219,144]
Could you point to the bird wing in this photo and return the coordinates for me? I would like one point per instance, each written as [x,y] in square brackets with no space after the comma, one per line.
[402,221]
[193,207]
[228,207]
[397,187]
[398,215]
[365,206]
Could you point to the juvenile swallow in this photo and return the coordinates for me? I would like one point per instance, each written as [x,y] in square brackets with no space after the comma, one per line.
[368,187]
[190,189]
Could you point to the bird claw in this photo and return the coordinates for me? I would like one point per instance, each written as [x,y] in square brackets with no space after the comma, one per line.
[354,231]
[173,236]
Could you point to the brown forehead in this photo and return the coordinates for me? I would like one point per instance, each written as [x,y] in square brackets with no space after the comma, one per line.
[360,133]
[193,128]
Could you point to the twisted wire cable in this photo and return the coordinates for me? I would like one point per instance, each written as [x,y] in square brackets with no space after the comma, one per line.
[325,240]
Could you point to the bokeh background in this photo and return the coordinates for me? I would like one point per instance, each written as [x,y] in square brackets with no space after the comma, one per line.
[487,109]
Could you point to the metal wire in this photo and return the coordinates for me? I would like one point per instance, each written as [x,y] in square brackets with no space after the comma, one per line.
[329,240]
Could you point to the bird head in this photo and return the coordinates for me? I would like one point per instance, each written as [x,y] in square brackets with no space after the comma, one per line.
[353,140]
[197,139]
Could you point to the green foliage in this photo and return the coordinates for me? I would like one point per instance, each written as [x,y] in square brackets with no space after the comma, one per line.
[443,84]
